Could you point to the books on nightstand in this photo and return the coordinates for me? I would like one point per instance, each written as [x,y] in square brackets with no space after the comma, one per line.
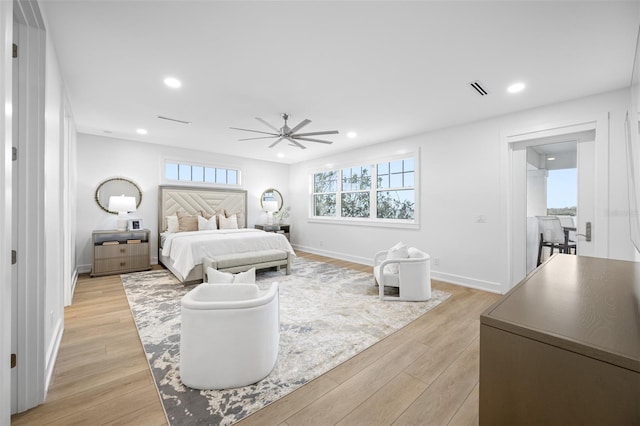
[134,241]
[110,243]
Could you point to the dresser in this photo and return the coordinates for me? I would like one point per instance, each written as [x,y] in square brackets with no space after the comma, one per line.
[563,346]
[279,229]
[117,252]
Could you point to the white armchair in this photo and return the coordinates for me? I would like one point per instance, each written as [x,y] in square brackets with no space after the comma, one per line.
[413,276]
[230,335]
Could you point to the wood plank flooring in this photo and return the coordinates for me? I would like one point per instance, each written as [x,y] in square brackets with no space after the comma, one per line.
[425,373]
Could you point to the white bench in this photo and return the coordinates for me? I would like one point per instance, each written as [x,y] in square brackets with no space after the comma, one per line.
[240,262]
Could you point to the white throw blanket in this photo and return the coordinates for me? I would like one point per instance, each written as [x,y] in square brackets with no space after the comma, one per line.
[187,249]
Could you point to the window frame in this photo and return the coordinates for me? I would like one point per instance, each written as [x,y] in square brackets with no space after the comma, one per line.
[204,166]
[372,220]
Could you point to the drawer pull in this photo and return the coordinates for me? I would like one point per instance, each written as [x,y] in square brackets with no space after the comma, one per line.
[122,250]
[123,263]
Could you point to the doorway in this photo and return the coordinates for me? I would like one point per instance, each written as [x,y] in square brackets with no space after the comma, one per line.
[592,157]
[552,190]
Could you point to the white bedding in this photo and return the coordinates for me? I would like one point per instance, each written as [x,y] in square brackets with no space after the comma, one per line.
[187,249]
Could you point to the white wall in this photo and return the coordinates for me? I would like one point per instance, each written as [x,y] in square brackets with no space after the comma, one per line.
[463,175]
[99,158]
[54,173]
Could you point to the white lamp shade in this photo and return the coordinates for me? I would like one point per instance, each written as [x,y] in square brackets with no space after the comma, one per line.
[122,204]
[270,206]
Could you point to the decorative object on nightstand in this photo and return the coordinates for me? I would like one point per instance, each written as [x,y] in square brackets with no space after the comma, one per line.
[278,229]
[117,252]
[282,214]
[123,205]
[135,224]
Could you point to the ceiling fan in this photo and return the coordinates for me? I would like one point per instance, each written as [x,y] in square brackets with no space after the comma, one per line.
[285,132]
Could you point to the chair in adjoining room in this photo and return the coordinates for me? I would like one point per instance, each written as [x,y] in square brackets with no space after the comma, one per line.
[410,271]
[230,335]
[552,235]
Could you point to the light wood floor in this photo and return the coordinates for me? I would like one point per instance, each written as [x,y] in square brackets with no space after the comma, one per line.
[425,373]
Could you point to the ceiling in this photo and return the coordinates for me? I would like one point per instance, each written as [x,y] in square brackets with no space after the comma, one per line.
[384,69]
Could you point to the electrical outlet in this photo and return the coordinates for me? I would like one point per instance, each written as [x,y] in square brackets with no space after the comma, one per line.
[436,261]
[321,243]
[481,218]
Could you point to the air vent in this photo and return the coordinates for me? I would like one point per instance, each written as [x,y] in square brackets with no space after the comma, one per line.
[477,86]
[173,119]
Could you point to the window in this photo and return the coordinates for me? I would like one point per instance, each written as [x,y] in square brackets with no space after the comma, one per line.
[382,192]
[324,193]
[395,196]
[184,172]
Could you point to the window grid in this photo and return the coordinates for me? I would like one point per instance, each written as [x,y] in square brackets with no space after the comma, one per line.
[384,190]
[185,172]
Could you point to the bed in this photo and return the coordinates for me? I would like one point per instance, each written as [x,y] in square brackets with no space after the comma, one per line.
[183,252]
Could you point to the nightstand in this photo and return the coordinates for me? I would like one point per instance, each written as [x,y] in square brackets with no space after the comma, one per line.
[117,252]
[278,229]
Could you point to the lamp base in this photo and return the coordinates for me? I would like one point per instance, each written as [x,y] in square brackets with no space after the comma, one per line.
[269,218]
[122,224]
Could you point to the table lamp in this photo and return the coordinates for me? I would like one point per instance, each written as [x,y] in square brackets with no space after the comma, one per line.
[122,205]
[270,207]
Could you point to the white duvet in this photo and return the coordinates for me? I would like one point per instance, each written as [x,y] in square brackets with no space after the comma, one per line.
[187,249]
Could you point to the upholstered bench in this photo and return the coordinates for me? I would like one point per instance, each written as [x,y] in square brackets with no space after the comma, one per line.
[239,262]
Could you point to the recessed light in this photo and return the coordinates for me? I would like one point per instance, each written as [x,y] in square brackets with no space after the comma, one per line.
[141,131]
[280,155]
[515,88]
[352,135]
[551,158]
[172,82]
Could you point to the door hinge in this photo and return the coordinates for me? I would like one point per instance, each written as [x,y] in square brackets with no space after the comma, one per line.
[15,50]
[14,257]
[14,153]
[14,360]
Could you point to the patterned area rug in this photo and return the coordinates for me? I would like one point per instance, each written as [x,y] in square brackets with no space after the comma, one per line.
[328,314]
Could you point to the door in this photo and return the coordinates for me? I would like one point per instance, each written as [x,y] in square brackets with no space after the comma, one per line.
[14,230]
[591,176]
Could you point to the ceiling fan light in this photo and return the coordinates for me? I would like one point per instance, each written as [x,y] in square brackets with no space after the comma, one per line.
[352,135]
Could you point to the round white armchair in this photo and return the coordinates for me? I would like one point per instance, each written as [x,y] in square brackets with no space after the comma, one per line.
[230,335]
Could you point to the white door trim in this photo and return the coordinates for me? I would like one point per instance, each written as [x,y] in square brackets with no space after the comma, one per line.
[512,181]
[6,142]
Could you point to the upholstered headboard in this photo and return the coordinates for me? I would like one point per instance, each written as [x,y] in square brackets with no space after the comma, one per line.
[193,199]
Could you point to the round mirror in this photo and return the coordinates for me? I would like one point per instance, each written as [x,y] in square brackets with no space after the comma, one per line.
[116,186]
[271,195]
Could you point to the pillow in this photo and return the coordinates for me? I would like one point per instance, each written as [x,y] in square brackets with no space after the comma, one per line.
[207,215]
[187,222]
[218,277]
[230,222]
[206,224]
[172,223]
[239,217]
[399,251]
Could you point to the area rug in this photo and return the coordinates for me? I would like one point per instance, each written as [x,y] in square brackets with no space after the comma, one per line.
[328,314]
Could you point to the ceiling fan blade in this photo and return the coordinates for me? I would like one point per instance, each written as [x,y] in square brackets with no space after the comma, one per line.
[300,126]
[261,137]
[255,131]
[276,143]
[296,143]
[326,132]
[267,124]
[312,140]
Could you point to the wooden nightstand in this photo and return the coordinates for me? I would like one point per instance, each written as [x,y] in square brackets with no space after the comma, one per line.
[117,252]
[279,229]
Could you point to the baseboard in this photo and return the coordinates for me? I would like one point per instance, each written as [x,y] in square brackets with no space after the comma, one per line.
[84,269]
[52,354]
[467,282]
[335,255]
[440,276]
